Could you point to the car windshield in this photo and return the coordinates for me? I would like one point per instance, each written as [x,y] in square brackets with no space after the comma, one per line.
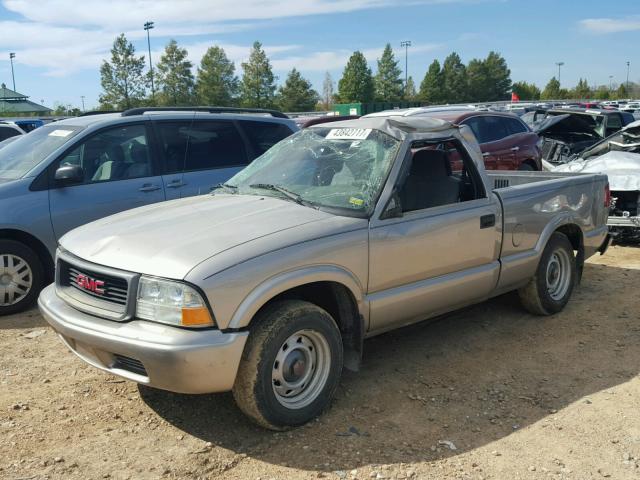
[27,151]
[334,168]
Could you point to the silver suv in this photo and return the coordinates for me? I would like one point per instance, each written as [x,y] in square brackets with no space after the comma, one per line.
[69,173]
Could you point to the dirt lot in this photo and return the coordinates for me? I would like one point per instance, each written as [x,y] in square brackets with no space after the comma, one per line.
[515,395]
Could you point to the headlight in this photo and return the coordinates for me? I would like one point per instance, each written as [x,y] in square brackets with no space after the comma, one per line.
[171,302]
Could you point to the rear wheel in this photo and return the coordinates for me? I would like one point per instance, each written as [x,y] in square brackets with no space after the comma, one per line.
[21,276]
[291,365]
[550,289]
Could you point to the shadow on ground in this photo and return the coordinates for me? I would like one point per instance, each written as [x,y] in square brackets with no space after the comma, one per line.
[471,378]
[25,320]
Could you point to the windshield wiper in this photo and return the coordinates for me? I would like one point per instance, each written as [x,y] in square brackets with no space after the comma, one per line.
[277,188]
[228,187]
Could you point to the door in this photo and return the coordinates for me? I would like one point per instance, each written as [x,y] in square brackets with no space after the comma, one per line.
[172,139]
[215,152]
[119,174]
[442,252]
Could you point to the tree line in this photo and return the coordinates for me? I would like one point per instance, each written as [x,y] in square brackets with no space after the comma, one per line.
[126,82]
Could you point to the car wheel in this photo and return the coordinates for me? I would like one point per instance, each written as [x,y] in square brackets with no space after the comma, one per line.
[550,289]
[291,365]
[21,276]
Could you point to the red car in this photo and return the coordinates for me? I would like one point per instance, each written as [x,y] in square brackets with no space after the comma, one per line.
[507,143]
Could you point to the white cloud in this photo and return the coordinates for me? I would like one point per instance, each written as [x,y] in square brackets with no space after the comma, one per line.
[132,13]
[610,25]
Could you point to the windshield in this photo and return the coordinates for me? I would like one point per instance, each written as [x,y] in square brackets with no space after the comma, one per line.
[343,168]
[21,155]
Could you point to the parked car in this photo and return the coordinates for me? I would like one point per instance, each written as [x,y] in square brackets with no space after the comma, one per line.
[74,171]
[8,130]
[268,286]
[29,124]
[507,143]
[617,156]
[566,132]
[630,107]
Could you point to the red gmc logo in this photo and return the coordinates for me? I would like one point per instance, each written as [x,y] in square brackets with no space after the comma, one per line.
[90,284]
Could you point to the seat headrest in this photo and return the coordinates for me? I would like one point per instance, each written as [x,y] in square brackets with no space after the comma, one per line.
[138,153]
[430,163]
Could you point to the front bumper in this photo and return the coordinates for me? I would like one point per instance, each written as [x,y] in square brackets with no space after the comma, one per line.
[169,358]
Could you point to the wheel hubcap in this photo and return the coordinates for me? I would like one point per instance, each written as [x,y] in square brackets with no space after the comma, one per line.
[301,368]
[558,274]
[15,279]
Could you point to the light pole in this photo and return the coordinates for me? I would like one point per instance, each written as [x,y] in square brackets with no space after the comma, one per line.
[406,44]
[610,82]
[559,64]
[82,97]
[148,26]
[11,57]
[628,63]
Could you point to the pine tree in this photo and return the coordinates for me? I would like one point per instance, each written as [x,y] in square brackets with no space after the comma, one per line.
[582,90]
[410,93]
[327,91]
[499,76]
[551,90]
[217,83]
[454,75]
[297,94]
[356,84]
[258,87]
[388,84]
[432,86]
[123,81]
[175,79]
[478,81]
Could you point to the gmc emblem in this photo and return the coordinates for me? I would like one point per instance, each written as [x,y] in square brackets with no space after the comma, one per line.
[91,284]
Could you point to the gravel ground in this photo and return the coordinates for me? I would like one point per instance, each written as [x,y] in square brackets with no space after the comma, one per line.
[488,392]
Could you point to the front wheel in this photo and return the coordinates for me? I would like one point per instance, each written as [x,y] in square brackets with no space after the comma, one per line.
[291,365]
[550,289]
[21,276]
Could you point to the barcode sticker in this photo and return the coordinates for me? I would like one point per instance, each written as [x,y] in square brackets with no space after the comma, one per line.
[348,133]
[60,133]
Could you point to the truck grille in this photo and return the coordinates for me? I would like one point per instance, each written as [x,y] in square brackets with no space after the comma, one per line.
[104,287]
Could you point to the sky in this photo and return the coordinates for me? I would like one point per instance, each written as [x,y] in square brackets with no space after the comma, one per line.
[60,44]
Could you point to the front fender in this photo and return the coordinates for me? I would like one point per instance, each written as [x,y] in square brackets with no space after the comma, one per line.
[282,282]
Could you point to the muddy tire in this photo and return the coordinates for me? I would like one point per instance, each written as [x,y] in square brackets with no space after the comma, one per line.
[21,277]
[550,289]
[291,365]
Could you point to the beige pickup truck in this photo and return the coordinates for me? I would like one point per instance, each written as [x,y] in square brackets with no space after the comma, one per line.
[268,286]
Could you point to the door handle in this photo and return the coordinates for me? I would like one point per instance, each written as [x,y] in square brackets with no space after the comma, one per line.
[515,149]
[486,154]
[148,187]
[176,184]
[488,221]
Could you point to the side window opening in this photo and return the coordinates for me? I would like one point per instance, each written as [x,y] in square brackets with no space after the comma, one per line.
[116,154]
[439,173]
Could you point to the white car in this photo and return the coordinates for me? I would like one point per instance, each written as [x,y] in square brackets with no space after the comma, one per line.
[8,130]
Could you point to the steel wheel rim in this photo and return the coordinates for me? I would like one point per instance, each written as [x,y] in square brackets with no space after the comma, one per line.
[558,274]
[16,279]
[301,369]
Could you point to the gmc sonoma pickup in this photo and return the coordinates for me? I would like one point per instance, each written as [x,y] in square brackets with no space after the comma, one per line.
[268,286]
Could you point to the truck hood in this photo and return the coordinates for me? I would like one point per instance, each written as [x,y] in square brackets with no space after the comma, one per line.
[169,239]
[566,124]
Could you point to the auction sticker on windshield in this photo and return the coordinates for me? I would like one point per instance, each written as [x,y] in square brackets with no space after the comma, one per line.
[348,133]
[60,133]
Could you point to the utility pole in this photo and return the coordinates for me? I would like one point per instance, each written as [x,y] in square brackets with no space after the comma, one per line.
[610,82]
[406,44]
[559,64]
[148,26]
[82,97]
[628,63]
[11,57]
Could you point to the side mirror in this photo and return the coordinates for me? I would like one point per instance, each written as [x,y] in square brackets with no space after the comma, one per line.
[69,174]
[393,208]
